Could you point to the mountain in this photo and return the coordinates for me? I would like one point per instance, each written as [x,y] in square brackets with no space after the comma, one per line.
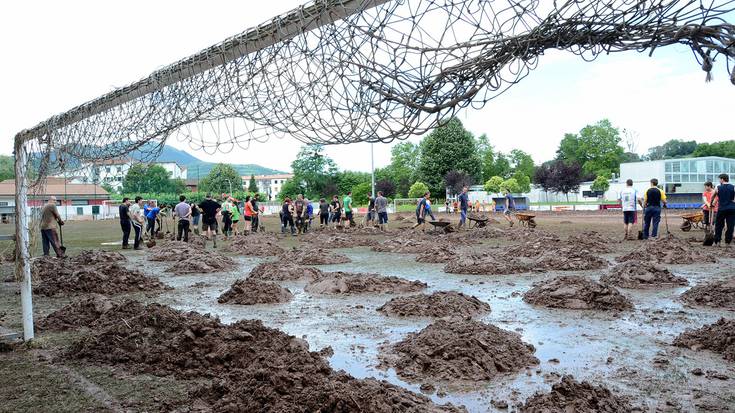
[197,168]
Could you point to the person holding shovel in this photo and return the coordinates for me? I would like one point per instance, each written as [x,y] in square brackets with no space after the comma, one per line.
[725,194]
[137,220]
[49,219]
[125,224]
[629,202]
[707,203]
[653,200]
[421,209]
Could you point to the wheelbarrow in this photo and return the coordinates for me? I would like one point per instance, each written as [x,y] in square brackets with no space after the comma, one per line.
[695,220]
[444,226]
[477,221]
[526,219]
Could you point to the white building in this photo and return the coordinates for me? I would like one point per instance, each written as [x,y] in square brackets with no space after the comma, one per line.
[114,171]
[269,185]
[174,170]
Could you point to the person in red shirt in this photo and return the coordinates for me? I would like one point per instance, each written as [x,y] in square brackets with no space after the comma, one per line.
[707,199]
[248,214]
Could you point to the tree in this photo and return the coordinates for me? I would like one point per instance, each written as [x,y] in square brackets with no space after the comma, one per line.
[596,148]
[723,148]
[403,166]
[7,167]
[523,181]
[417,190]
[313,169]
[361,192]
[521,163]
[142,178]
[387,187]
[601,183]
[252,185]
[290,189]
[494,185]
[446,148]
[674,148]
[348,180]
[564,177]
[223,178]
[456,180]
[510,185]
[107,187]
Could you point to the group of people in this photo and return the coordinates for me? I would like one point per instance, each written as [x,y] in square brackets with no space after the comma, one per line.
[718,205]
[187,217]
[298,214]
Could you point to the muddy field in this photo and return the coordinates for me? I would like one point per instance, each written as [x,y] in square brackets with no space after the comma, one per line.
[566,317]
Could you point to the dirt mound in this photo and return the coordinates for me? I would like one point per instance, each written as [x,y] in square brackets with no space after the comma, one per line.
[173,251]
[80,313]
[401,245]
[591,241]
[519,233]
[437,255]
[314,256]
[60,276]
[642,274]
[283,271]
[437,304]
[361,283]
[570,395]
[246,358]
[91,257]
[534,246]
[474,234]
[202,264]
[338,240]
[578,293]
[568,259]
[249,291]
[255,245]
[669,251]
[197,241]
[484,264]
[718,337]
[458,349]
[719,294]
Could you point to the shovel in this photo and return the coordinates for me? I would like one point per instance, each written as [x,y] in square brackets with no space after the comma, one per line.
[666,222]
[640,231]
[709,236]
[61,239]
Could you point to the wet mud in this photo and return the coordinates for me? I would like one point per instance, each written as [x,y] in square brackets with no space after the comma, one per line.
[437,304]
[255,245]
[570,395]
[718,337]
[669,251]
[576,293]
[313,256]
[717,294]
[642,274]
[361,283]
[250,292]
[283,271]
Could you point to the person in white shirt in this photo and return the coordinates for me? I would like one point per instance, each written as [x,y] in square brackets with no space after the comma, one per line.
[629,201]
[138,220]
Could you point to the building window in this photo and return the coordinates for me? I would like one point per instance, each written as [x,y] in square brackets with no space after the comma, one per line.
[80,211]
[107,169]
[676,166]
[710,167]
[668,166]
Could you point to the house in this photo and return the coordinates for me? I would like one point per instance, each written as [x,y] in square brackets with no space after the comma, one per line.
[74,200]
[174,170]
[110,171]
[268,185]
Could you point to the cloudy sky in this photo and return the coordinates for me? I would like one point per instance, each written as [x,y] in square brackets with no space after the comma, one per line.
[59,54]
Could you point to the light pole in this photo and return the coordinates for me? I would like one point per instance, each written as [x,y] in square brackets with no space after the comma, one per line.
[372,170]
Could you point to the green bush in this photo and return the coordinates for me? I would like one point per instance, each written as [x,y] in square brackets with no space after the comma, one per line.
[417,190]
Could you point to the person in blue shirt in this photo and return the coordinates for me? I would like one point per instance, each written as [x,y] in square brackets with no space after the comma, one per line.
[464,201]
[309,213]
[422,209]
[151,217]
[725,195]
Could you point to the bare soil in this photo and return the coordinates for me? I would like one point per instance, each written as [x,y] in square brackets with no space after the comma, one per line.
[578,293]
[314,256]
[438,254]
[591,241]
[283,271]
[361,283]
[669,251]
[91,257]
[458,349]
[339,240]
[570,395]
[80,313]
[401,245]
[568,259]
[246,358]
[202,264]
[717,294]
[642,274]
[53,277]
[255,245]
[718,337]
[249,292]
[485,263]
[437,304]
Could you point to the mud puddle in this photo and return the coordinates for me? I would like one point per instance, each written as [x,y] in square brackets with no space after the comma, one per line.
[618,350]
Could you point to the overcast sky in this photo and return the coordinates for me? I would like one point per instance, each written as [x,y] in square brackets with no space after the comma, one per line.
[59,54]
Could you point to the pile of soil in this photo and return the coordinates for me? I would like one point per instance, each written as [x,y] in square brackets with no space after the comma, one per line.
[401,245]
[484,264]
[642,274]
[474,234]
[570,395]
[202,264]
[173,251]
[361,283]
[718,337]
[519,233]
[719,294]
[568,259]
[249,292]
[458,349]
[283,271]
[533,247]
[246,358]
[577,293]
[438,304]
[197,241]
[338,240]
[91,257]
[59,276]
[314,256]
[81,313]
[439,254]
[591,241]
[256,245]
[669,251]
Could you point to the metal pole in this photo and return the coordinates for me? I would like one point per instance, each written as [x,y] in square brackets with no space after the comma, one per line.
[372,169]
[22,244]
